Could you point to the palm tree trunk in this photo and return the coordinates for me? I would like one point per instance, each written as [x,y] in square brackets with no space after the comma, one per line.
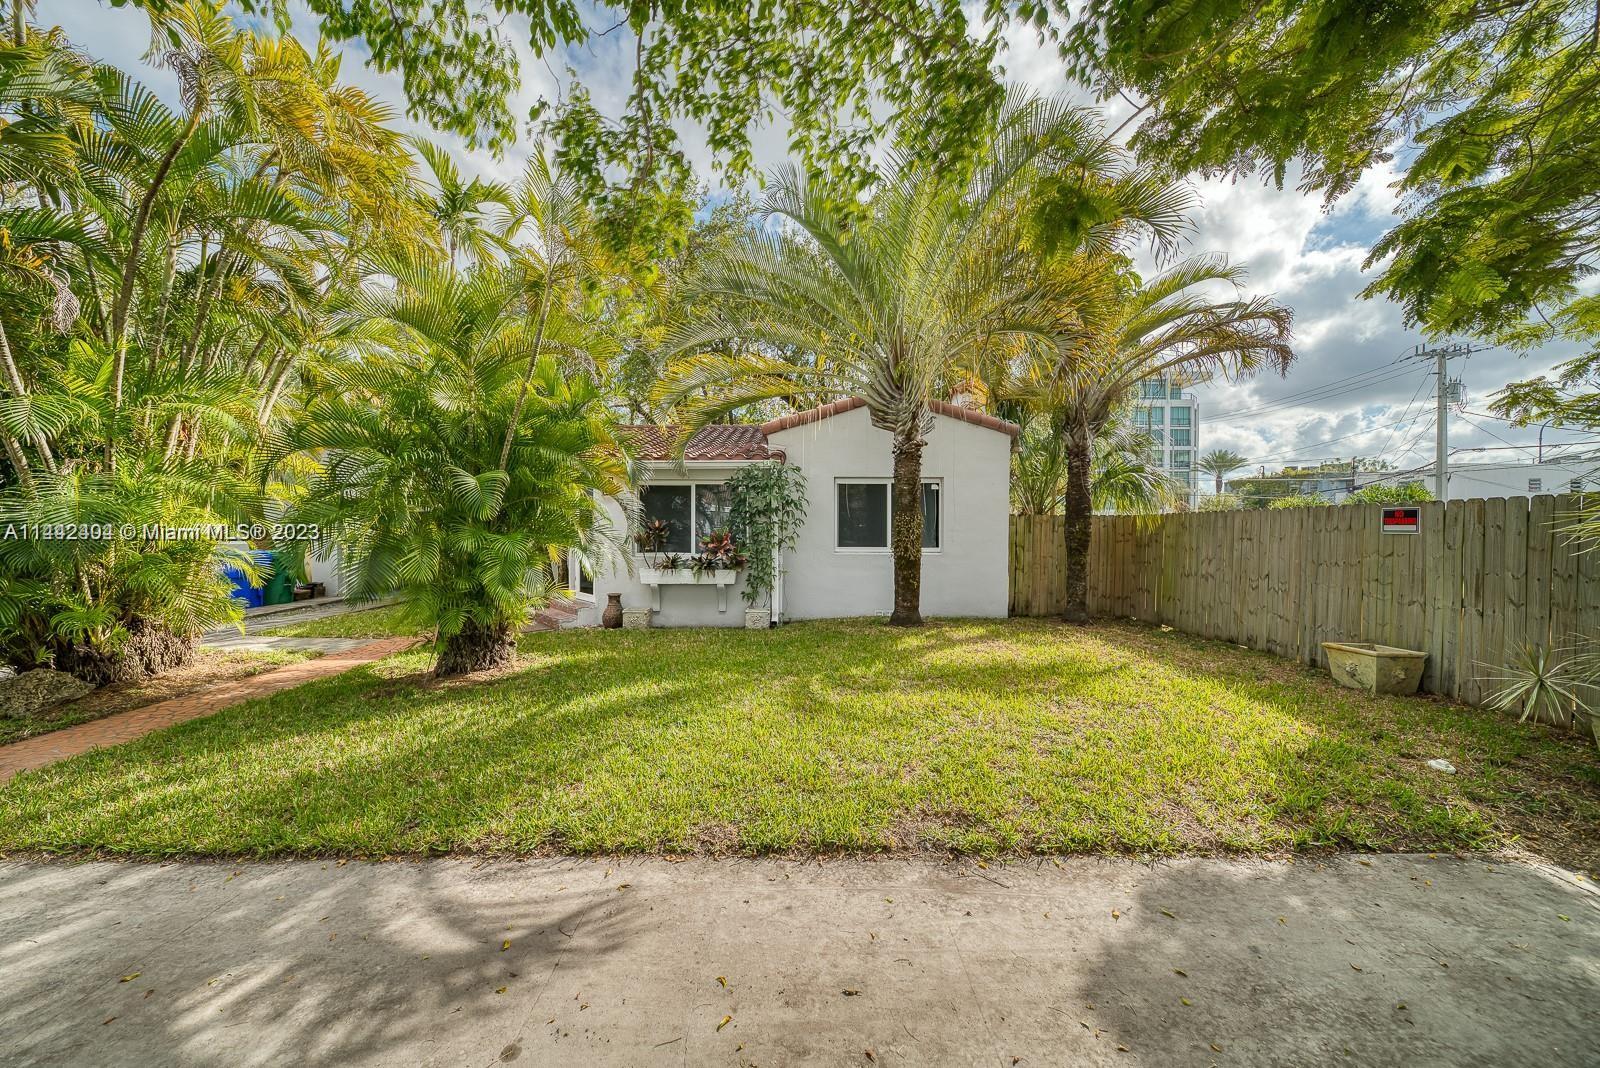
[130,268]
[905,533]
[20,388]
[527,376]
[1079,504]
[477,647]
[19,462]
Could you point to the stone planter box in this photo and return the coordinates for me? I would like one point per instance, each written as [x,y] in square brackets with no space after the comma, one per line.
[635,618]
[757,618]
[1375,668]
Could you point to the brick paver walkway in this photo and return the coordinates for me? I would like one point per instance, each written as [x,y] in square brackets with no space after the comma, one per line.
[126,726]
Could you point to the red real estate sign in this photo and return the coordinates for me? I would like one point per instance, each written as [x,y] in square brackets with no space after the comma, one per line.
[1402,519]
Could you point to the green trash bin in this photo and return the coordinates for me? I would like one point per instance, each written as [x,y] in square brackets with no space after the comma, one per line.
[280,587]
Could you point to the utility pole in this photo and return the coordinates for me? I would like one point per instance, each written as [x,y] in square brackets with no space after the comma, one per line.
[1441,427]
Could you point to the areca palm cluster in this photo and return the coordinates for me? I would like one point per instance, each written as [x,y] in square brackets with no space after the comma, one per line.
[447,467]
[166,278]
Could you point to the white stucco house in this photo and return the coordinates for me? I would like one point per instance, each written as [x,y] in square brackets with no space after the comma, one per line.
[841,565]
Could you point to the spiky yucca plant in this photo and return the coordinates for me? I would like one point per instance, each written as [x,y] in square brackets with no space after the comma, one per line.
[407,442]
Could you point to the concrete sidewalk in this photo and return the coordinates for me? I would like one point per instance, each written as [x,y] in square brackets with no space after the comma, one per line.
[1369,961]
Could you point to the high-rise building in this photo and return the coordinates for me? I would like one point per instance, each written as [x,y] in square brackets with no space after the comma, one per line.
[1171,415]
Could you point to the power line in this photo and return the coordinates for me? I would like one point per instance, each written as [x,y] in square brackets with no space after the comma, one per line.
[1285,457]
[1327,391]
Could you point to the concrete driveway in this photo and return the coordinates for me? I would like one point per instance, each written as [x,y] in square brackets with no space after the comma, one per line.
[1371,961]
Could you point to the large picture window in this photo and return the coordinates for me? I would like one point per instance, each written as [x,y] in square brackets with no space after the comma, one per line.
[864,509]
[691,512]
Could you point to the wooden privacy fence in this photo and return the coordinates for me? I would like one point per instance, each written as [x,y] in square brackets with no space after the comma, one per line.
[1481,578]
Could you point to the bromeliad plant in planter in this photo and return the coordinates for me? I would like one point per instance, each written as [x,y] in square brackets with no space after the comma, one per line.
[719,552]
[652,537]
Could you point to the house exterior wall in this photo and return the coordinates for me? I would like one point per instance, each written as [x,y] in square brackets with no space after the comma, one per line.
[681,606]
[966,576]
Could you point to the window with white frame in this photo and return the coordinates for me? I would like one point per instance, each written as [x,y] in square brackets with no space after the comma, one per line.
[1181,414]
[863,514]
[1180,436]
[691,511]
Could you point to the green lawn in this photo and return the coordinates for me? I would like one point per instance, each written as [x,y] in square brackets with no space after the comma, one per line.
[977,736]
[382,622]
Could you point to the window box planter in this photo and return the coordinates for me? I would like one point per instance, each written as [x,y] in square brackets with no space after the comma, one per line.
[655,578]
[1375,668]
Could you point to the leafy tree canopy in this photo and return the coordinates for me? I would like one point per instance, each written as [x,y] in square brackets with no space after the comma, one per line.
[822,64]
[1490,106]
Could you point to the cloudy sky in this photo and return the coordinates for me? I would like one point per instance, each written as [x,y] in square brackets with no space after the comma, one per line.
[1351,391]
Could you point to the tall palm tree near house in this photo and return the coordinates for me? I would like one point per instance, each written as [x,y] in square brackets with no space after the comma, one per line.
[1123,478]
[1134,330]
[1220,463]
[885,300]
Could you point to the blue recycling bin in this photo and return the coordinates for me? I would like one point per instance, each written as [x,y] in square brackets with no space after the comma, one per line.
[251,596]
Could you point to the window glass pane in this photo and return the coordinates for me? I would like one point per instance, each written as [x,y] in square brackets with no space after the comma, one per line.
[1158,436]
[1180,458]
[1180,416]
[712,505]
[1176,391]
[1158,416]
[863,515]
[1141,416]
[670,503]
[930,515]
[1180,436]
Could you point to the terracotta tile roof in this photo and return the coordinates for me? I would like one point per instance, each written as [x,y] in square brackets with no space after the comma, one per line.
[722,441]
[952,411]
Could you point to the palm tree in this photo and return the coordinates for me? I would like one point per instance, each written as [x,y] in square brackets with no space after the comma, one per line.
[884,301]
[1220,463]
[1136,330]
[166,278]
[459,208]
[406,445]
[1122,479]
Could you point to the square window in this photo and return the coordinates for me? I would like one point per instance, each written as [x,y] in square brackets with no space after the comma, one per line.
[863,515]
[1181,415]
[672,504]
[1180,436]
[1176,393]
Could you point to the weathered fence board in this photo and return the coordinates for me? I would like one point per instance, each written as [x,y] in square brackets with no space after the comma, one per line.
[1483,578]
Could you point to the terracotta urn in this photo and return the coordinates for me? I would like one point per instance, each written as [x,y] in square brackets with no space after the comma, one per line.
[611,618]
